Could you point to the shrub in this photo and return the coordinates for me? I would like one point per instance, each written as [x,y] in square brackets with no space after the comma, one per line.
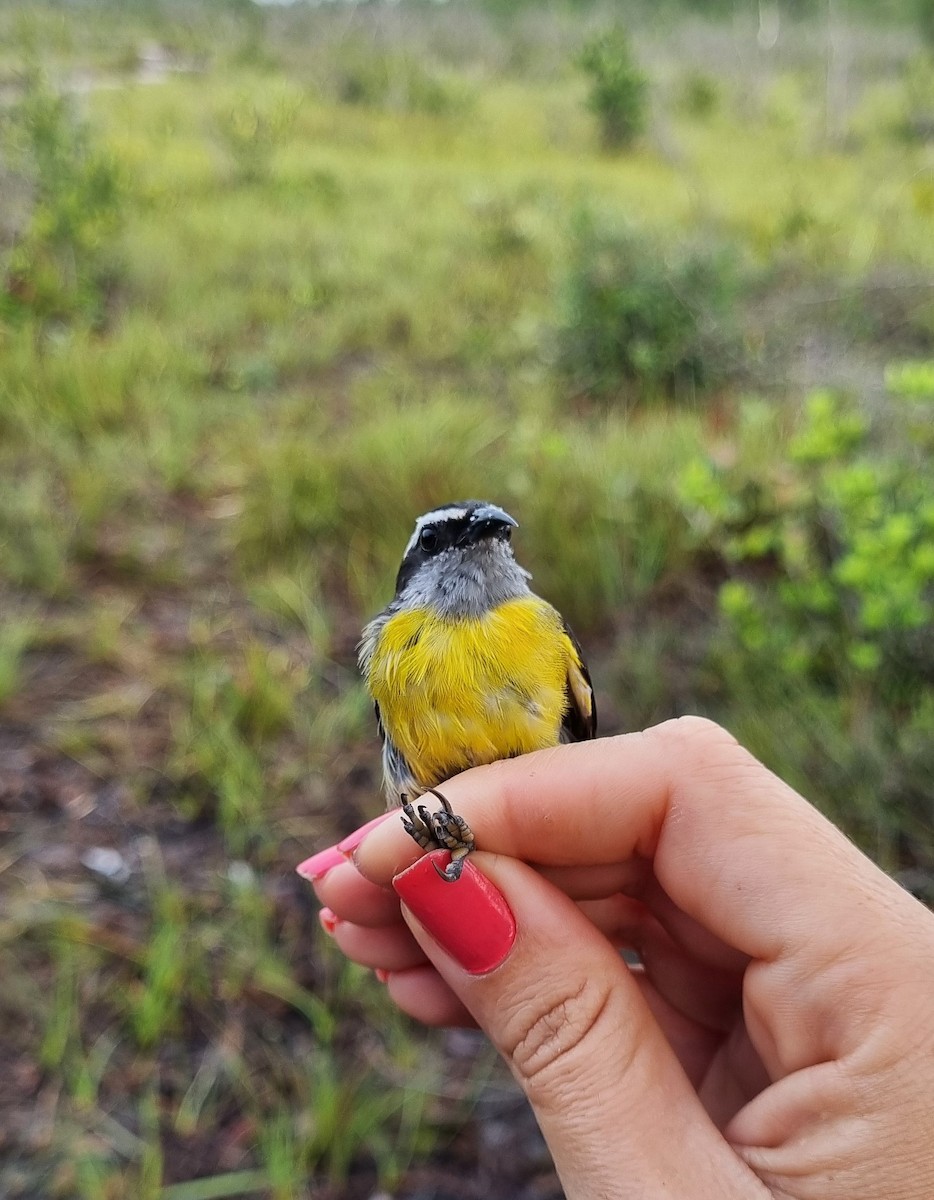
[912,380]
[253,129]
[699,95]
[640,322]
[829,604]
[58,260]
[915,119]
[372,77]
[925,15]
[618,88]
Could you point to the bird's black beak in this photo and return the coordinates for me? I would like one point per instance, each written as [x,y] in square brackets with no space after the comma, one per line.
[488,522]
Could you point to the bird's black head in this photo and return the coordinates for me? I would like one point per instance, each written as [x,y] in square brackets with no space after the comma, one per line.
[452,527]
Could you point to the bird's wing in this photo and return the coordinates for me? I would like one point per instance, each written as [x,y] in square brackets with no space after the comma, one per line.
[398,778]
[579,723]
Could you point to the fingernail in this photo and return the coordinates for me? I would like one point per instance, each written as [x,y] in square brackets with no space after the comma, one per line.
[328,920]
[469,918]
[353,840]
[319,864]
[381,975]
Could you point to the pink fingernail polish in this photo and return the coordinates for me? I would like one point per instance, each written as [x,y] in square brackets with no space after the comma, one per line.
[469,918]
[328,920]
[319,864]
[348,844]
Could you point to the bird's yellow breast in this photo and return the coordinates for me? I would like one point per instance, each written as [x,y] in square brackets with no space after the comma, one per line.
[454,693]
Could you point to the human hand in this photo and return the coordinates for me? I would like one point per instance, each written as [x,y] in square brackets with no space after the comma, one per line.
[778,1039]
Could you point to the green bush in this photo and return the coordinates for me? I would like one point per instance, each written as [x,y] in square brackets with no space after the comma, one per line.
[618,88]
[641,321]
[375,78]
[915,119]
[253,128]
[912,380]
[699,95]
[925,15]
[830,599]
[58,261]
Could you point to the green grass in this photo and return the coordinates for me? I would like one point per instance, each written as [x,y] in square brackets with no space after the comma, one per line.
[333,292]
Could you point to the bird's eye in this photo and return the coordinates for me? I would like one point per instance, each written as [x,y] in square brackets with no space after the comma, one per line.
[428,540]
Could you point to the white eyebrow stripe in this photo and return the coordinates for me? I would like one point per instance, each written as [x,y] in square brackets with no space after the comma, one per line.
[433,518]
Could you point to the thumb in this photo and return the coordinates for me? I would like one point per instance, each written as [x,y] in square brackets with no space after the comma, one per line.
[560,1005]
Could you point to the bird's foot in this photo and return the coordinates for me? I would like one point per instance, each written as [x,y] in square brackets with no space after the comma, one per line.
[441,830]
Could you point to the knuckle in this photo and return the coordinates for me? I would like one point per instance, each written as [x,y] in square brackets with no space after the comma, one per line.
[696,734]
[704,748]
[554,1040]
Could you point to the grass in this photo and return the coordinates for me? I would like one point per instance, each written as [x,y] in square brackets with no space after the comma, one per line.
[337,274]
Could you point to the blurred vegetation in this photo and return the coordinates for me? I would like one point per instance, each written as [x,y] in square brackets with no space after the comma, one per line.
[272,282]
[63,202]
[830,598]
[649,320]
[617,87]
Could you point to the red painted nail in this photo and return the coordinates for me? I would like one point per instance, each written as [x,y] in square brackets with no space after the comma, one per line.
[328,920]
[319,864]
[469,918]
[381,975]
[353,840]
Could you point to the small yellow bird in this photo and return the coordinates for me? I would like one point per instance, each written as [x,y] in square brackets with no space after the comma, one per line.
[467,665]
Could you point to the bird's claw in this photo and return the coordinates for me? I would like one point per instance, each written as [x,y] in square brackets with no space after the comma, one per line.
[441,830]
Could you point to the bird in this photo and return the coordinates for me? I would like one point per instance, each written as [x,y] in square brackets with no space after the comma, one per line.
[467,665]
